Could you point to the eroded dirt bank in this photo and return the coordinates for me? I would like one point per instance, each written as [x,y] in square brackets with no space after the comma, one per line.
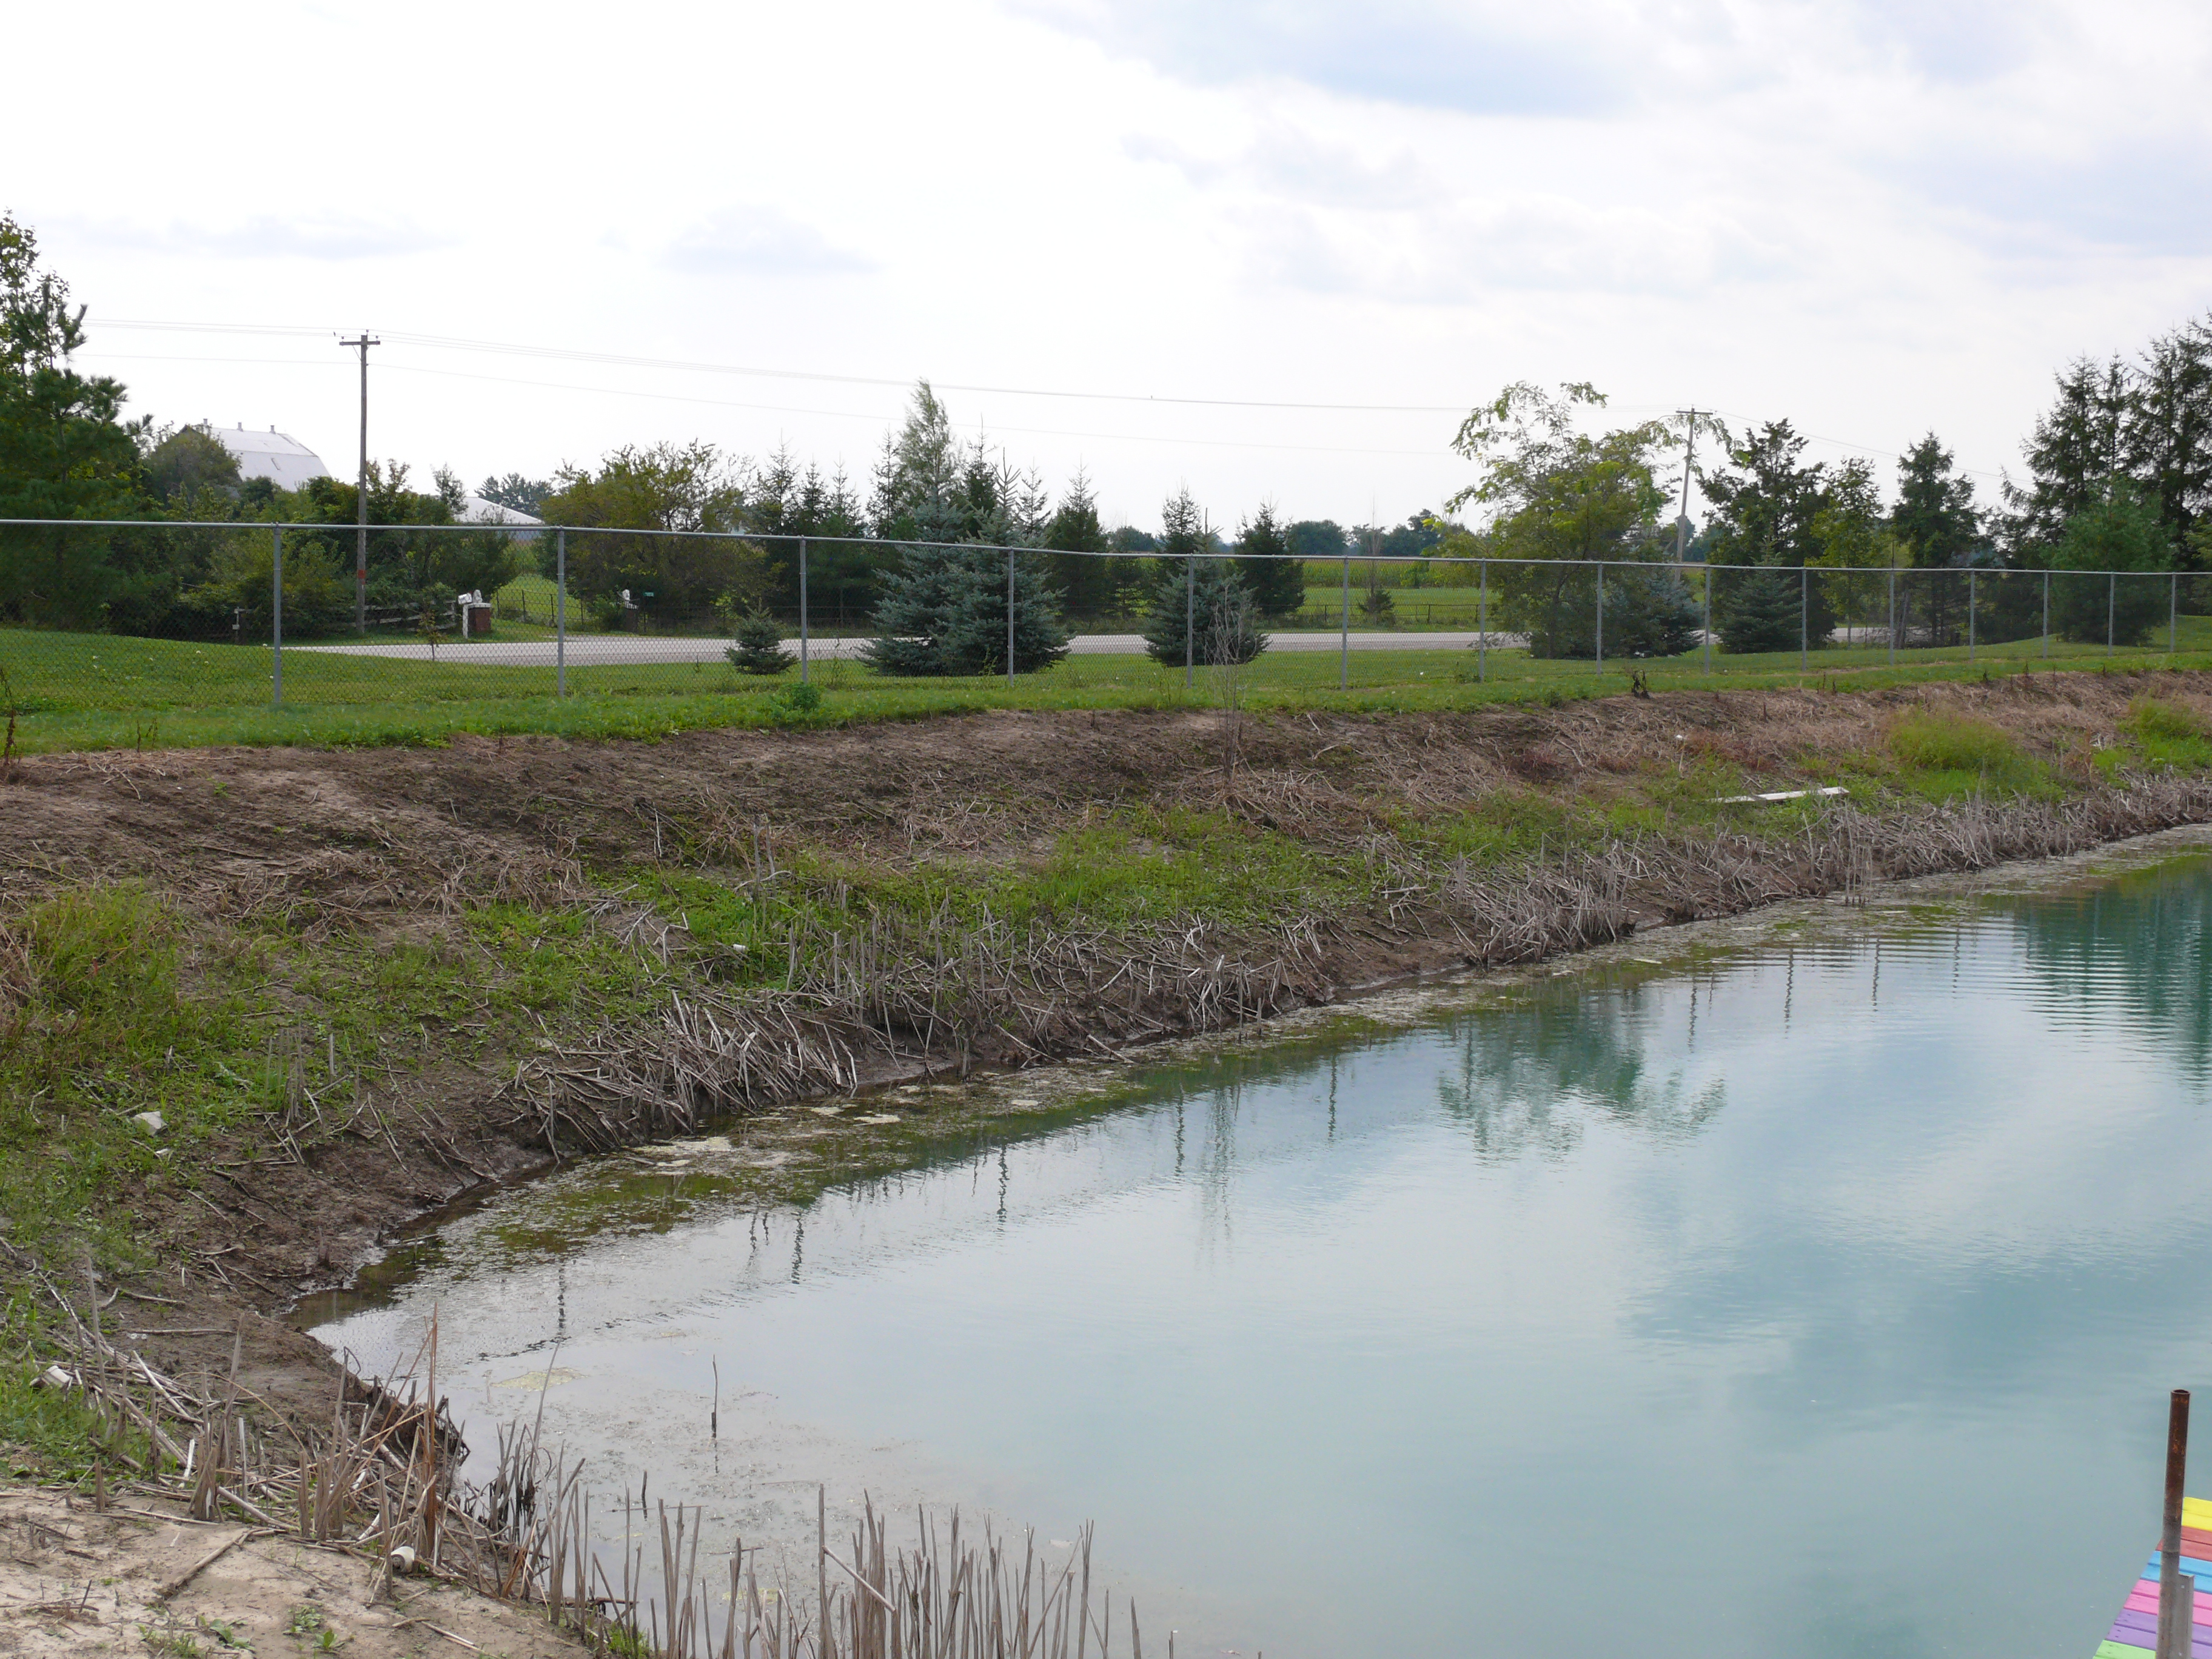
[437,969]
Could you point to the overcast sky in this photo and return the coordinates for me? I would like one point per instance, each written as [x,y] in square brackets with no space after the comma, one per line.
[1874,217]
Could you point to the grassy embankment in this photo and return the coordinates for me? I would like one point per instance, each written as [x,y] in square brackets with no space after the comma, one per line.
[251,1018]
[70,692]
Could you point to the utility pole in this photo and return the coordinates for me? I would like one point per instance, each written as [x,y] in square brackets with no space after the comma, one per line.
[361,495]
[1689,456]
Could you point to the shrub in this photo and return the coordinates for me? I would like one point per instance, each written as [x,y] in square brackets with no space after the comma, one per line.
[758,646]
[790,703]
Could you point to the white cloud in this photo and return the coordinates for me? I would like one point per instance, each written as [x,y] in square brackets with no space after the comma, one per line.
[265,236]
[759,240]
[1874,216]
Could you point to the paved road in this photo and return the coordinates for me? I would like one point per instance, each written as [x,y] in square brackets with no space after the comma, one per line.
[587,649]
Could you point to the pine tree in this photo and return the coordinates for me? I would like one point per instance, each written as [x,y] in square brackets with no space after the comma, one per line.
[758,645]
[1277,579]
[945,613]
[1756,610]
[1203,614]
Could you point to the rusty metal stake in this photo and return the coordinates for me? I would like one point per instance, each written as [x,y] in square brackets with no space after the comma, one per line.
[2174,1621]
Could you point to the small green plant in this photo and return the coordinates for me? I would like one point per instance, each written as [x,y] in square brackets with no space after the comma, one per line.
[2154,717]
[1952,743]
[758,646]
[628,1641]
[305,1621]
[790,703]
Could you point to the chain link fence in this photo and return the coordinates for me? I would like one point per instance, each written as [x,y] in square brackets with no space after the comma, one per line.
[121,617]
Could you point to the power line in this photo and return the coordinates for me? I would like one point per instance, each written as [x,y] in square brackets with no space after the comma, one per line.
[782,409]
[455,342]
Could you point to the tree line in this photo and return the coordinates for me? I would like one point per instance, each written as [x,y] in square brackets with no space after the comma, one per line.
[2118,470]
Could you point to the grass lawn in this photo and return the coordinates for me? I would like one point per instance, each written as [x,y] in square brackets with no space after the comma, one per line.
[92,691]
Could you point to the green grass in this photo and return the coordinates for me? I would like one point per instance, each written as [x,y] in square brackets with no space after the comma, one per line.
[71,692]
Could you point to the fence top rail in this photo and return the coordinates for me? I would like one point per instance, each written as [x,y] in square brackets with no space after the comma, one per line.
[532,530]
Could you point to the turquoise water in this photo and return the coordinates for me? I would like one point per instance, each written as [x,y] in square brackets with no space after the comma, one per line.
[1820,1299]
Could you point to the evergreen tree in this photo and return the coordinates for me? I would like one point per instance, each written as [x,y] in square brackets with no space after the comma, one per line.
[757,645]
[1276,577]
[1203,613]
[2076,448]
[842,564]
[1767,507]
[1093,581]
[944,611]
[2121,531]
[517,492]
[2167,434]
[1939,528]
[1756,610]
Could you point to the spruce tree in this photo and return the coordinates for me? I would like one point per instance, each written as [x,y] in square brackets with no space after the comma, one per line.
[944,613]
[1204,614]
[757,647]
[1277,579]
[1756,610]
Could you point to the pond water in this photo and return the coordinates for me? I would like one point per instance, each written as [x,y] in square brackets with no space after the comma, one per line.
[1816,1299]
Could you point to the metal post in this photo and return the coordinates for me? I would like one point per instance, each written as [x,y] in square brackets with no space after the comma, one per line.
[1971,575]
[1892,616]
[2173,1624]
[276,616]
[2046,616]
[1482,639]
[2111,609]
[803,664]
[2172,613]
[1189,619]
[1601,616]
[1010,619]
[1804,613]
[1344,634]
[1708,631]
[560,613]
[360,502]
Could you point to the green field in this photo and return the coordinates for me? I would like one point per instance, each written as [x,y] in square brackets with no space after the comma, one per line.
[67,691]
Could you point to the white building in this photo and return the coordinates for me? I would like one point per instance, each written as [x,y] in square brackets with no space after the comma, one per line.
[282,459]
[288,463]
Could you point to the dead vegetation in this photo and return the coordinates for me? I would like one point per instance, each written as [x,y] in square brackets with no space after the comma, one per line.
[379,1480]
[380,851]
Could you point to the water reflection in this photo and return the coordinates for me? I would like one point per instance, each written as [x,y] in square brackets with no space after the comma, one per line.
[1789,1272]
[1529,1074]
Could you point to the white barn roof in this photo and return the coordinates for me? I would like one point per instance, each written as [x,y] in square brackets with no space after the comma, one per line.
[476,509]
[276,456]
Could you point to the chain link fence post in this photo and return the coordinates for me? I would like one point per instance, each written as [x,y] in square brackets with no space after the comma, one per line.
[1482,639]
[1600,616]
[804,665]
[1190,620]
[1804,616]
[1892,616]
[1705,635]
[1344,632]
[2046,616]
[1009,621]
[277,617]
[2112,610]
[560,613]
[1971,587]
